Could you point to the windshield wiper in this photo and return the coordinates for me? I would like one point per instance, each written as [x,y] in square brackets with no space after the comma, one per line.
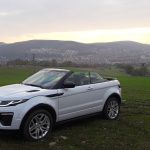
[34,85]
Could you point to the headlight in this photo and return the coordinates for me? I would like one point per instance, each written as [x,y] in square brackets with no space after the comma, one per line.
[11,103]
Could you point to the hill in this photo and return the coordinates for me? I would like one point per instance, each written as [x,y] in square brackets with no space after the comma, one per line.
[112,52]
[1,43]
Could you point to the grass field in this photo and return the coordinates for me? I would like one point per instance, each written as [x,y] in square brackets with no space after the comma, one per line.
[131,131]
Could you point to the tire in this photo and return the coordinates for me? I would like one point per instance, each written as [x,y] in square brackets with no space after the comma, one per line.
[37,125]
[111,109]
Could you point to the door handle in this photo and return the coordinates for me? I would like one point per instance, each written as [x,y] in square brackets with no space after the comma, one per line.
[90,88]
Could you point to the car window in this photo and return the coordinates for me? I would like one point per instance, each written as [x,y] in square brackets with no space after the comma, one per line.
[79,78]
[96,78]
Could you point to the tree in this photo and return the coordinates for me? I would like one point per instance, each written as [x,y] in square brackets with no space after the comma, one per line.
[54,63]
[129,69]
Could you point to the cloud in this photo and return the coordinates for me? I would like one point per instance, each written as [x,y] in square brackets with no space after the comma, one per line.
[20,17]
[134,34]
[4,13]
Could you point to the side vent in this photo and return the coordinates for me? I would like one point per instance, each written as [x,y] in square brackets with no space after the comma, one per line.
[33,91]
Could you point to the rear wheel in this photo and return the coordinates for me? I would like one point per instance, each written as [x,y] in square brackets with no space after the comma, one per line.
[111,109]
[37,125]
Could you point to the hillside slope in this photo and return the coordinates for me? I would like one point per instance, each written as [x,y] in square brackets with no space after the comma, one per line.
[112,52]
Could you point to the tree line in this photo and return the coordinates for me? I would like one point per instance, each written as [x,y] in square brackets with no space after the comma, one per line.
[135,71]
[128,68]
[52,63]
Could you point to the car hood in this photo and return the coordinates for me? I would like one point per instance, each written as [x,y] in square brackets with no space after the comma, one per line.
[21,91]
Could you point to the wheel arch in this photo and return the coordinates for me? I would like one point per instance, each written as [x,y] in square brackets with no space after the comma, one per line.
[116,96]
[46,107]
[105,112]
[113,95]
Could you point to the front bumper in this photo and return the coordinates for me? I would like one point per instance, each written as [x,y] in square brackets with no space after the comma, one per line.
[11,117]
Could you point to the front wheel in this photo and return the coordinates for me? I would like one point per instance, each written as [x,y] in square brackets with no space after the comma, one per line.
[37,125]
[111,109]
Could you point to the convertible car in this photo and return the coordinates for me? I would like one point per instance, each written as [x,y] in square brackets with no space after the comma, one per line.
[51,96]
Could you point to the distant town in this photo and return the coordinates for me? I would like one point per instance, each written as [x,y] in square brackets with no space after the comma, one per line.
[125,52]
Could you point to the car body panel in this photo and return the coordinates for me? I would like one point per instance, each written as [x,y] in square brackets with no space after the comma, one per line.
[75,101]
[23,108]
[102,92]
[19,91]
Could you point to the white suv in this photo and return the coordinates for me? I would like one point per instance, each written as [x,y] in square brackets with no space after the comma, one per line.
[54,95]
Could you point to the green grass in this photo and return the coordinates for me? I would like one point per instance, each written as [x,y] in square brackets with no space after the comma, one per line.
[131,131]
[107,71]
[135,87]
[10,76]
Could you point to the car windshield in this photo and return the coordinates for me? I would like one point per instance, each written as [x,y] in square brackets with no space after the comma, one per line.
[45,78]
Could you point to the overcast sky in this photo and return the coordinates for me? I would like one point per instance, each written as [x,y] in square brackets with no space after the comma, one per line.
[77,20]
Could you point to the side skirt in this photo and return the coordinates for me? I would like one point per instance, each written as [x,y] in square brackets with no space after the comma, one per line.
[77,118]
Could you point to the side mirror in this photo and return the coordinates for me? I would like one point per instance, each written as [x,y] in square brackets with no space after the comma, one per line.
[69,84]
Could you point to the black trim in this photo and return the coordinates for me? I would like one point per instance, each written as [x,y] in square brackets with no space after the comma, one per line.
[59,84]
[33,91]
[90,77]
[78,118]
[54,95]
[6,120]
[109,78]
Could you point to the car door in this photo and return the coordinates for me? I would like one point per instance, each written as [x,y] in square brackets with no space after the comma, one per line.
[77,101]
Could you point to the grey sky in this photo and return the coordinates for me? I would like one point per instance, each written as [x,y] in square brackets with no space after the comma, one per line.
[45,16]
